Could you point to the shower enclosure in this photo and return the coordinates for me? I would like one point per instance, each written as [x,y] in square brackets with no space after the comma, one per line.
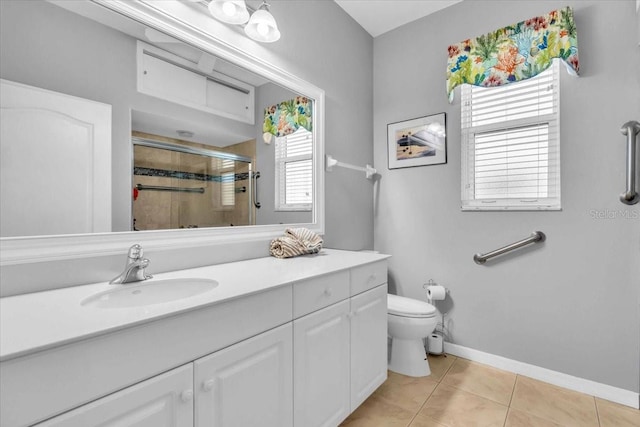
[184,185]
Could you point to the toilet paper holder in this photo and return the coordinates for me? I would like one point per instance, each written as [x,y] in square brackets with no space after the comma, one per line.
[434,291]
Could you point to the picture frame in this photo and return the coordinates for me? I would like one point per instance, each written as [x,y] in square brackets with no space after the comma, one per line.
[417,142]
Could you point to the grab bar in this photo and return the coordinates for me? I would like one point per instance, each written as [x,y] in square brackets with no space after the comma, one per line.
[162,188]
[535,237]
[255,177]
[630,129]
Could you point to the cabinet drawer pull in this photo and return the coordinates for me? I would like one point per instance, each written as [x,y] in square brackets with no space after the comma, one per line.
[208,385]
[328,292]
[186,395]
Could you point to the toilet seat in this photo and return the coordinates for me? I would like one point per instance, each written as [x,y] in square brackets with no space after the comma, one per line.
[409,307]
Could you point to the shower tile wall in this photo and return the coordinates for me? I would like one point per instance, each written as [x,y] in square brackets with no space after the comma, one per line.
[155,210]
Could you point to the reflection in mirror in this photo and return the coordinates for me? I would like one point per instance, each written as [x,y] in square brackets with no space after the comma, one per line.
[159,90]
[183,185]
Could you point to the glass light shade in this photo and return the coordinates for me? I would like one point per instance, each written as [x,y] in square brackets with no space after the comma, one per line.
[262,27]
[229,11]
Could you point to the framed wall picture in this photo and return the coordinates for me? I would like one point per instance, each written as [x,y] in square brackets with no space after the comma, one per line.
[417,142]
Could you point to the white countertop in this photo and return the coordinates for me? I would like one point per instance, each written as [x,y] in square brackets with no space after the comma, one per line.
[42,320]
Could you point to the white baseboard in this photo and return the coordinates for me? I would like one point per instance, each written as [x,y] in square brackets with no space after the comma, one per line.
[604,391]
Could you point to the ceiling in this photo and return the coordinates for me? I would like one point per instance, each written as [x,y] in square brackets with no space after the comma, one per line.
[380,16]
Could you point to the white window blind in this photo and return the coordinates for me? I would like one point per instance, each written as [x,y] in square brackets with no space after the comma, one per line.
[228,189]
[294,173]
[511,145]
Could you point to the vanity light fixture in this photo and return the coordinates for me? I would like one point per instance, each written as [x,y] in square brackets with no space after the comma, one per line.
[262,26]
[229,11]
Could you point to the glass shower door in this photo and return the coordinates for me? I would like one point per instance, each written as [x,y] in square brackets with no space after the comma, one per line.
[178,186]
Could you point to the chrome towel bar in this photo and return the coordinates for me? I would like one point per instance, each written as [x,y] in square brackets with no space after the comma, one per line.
[142,187]
[630,129]
[535,237]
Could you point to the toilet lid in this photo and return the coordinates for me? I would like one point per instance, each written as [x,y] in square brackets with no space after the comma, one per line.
[409,307]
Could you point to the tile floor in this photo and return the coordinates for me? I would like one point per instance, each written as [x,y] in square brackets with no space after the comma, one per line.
[463,393]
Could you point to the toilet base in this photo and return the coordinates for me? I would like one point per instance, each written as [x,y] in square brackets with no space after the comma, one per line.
[408,357]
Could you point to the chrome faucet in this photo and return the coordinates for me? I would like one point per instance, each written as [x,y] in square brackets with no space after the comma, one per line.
[134,268]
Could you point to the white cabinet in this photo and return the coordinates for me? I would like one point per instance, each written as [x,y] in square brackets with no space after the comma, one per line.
[304,355]
[164,75]
[162,401]
[368,343]
[340,358]
[321,355]
[247,384]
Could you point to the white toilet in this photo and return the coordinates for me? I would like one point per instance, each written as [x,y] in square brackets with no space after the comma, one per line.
[409,322]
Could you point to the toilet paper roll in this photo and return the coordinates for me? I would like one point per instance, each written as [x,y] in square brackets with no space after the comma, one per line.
[435,344]
[436,292]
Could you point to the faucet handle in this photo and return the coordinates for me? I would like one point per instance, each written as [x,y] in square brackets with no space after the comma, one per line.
[135,252]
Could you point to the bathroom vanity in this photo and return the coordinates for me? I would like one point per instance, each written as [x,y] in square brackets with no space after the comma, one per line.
[295,342]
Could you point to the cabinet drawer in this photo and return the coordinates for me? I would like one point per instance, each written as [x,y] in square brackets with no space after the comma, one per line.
[314,294]
[368,277]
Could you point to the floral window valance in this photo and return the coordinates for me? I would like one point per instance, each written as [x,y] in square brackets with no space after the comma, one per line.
[287,117]
[514,53]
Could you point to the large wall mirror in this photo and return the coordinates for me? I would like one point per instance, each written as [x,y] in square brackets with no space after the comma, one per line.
[150,125]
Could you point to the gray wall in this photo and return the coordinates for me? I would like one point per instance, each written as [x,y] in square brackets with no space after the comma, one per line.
[570,304]
[323,45]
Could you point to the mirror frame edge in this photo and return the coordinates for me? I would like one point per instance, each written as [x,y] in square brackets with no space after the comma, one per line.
[24,250]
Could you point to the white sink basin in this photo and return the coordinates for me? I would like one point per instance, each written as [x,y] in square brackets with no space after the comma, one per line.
[149,293]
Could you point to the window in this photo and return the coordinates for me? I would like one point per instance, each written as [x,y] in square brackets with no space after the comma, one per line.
[294,173]
[228,183]
[511,145]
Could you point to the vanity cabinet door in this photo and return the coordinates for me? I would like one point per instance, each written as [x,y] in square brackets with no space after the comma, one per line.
[368,343]
[247,384]
[162,401]
[321,367]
